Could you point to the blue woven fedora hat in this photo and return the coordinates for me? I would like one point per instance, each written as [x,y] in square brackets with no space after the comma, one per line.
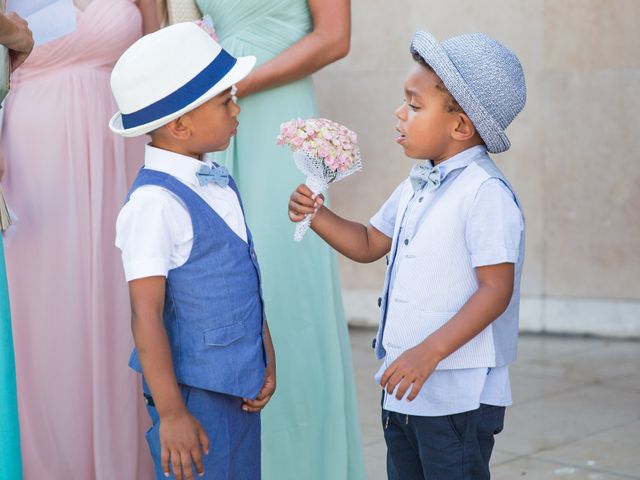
[484,77]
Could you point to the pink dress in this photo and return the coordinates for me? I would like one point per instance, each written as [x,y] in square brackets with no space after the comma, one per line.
[81,415]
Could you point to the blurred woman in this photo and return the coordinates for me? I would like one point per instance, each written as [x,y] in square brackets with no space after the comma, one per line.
[66,176]
[310,428]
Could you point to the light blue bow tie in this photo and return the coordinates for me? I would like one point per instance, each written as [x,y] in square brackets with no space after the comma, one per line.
[425,173]
[213,173]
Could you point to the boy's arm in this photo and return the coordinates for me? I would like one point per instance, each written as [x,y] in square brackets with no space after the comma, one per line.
[269,386]
[353,240]
[181,435]
[491,299]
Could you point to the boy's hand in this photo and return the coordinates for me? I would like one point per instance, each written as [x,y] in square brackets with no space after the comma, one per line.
[413,367]
[265,394]
[182,440]
[303,202]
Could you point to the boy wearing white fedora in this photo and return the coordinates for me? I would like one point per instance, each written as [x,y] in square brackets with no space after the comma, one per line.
[202,342]
[455,234]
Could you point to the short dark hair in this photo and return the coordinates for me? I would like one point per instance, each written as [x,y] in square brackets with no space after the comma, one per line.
[450,104]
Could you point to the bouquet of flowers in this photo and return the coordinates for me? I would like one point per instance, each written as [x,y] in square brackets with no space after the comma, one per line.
[324,151]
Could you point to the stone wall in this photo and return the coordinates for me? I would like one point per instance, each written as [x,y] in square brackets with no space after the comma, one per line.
[574,162]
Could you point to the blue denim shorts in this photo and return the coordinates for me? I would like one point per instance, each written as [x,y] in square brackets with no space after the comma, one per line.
[234,435]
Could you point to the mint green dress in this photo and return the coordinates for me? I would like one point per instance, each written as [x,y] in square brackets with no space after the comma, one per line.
[10,462]
[310,427]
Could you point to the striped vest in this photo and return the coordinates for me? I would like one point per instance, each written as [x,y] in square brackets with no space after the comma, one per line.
[435,278]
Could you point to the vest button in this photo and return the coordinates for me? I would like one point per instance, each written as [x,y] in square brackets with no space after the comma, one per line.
[379,301]
[406,241]
[420,199]
[373,343]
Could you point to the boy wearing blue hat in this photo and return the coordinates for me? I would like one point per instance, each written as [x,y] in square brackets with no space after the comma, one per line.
[454,232]
[202,342]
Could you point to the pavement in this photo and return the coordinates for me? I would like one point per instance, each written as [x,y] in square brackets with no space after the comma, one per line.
[575,413]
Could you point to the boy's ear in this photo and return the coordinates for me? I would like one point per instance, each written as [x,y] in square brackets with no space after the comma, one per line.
[463,129]
[179,128]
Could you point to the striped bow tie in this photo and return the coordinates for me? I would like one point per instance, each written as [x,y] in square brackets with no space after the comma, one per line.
[213,173]
[425,173]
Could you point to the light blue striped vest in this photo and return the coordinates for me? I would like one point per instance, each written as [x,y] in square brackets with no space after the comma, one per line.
[435,278]
[213,311]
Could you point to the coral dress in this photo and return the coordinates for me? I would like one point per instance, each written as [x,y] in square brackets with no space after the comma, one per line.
[310,428]
[66,177]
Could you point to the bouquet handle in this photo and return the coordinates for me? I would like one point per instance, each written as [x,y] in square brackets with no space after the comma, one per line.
[316,185]
[301,228]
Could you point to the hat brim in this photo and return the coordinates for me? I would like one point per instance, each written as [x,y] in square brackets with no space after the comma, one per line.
[425,45]
[241,69]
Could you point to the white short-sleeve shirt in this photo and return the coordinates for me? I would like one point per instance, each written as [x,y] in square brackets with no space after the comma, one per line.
[154,231]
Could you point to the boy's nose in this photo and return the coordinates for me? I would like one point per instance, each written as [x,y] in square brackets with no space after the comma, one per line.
[400,111]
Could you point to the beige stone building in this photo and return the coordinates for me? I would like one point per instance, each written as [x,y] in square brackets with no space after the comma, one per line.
[575,159]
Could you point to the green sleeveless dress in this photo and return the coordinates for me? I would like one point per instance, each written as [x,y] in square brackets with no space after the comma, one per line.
[310,427]
[10,463]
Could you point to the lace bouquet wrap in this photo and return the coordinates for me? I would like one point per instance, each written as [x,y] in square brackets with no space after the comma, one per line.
[324,151]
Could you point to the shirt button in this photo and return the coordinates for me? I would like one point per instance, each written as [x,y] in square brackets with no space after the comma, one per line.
[373,343]
[406,241]
[420,199]
[379,301]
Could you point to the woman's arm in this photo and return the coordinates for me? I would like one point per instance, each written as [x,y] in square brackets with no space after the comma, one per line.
[150,18]
[328,41]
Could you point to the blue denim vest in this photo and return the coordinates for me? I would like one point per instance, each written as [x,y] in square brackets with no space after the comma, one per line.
[213,310]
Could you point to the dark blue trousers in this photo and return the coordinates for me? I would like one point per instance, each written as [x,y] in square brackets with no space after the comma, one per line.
[450,447]
[234,436]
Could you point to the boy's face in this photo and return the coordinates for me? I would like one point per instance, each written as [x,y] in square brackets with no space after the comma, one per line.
[424,123]
[213,123]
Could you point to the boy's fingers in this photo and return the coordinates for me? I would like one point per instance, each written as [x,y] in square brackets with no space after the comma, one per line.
[204,441]
[164,460]
[185,457]
[387,374]
[395,379]
[295,218]
[196,455]
[300,209]
[403,387]
[417,386]
[254,405]
[302,188]
[175,463]
[302,200]
[257,403]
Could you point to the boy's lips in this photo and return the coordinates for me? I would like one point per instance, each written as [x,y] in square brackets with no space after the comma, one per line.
[401,138]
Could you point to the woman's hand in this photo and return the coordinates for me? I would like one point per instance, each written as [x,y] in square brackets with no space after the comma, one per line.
[17,37]
[327,42]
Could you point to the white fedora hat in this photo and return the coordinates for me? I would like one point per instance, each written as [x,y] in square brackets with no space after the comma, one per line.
[168,73]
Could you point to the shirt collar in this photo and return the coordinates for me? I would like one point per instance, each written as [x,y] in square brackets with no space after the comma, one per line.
[460,160]
[183,167]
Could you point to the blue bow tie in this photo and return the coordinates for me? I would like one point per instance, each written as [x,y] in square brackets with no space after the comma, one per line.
[425,173]
[213,173]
